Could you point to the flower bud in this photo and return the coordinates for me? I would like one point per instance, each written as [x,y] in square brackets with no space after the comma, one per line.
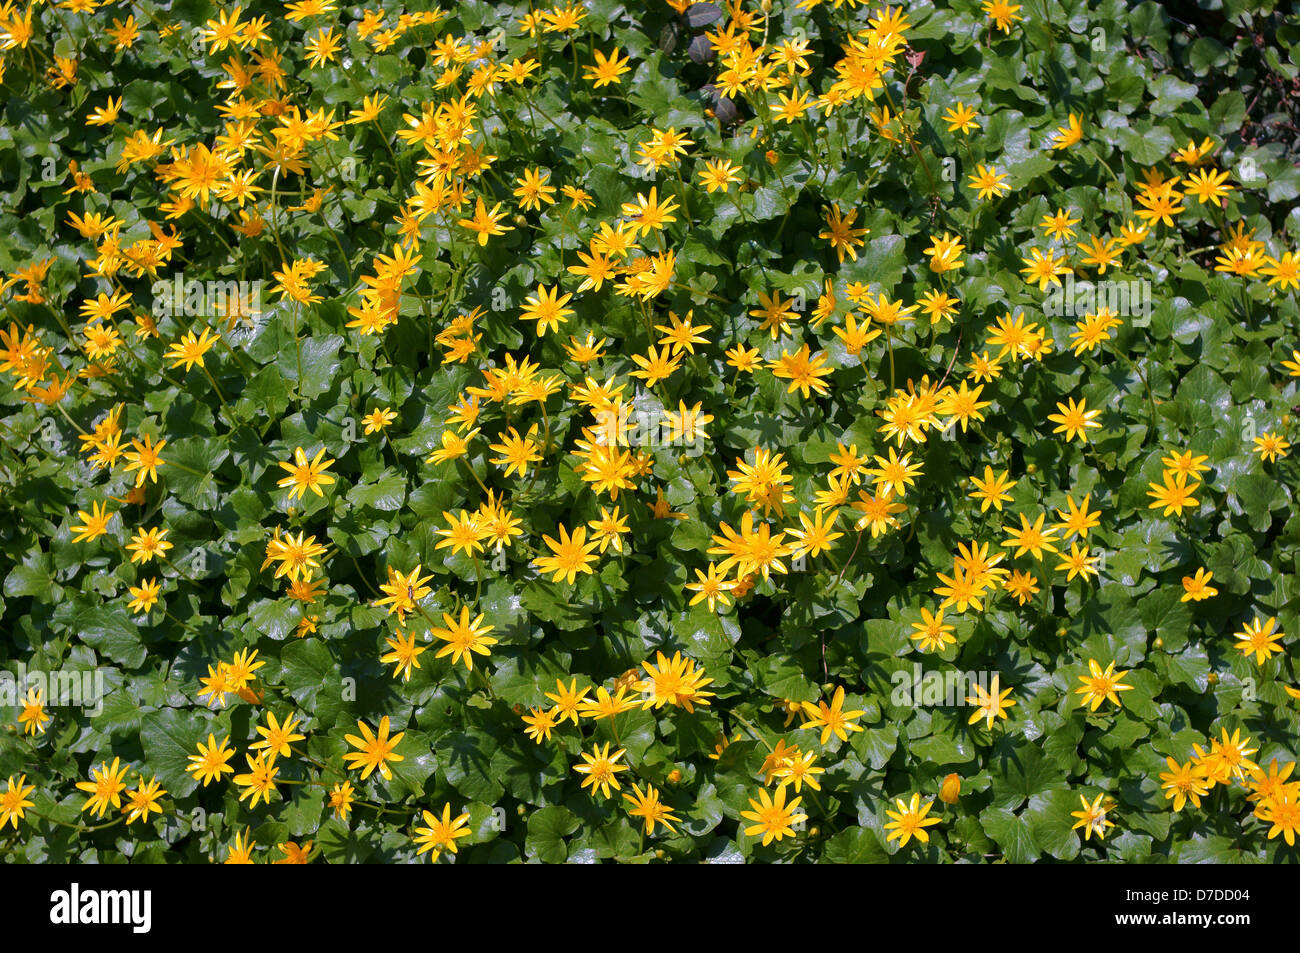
[951,789]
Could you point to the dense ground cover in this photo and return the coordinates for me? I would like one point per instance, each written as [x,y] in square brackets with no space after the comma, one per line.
[666,431]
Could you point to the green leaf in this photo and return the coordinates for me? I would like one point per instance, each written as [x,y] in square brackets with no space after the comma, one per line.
[547,829]
[110,631]
[169,737]
[857,845]
[1012,834]
[1050,823]
[387,493]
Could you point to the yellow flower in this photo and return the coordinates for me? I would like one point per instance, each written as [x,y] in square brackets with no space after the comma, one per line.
[1183,783]
[147,543]
[463,637]
[910,821]
[404,654]
[1002,14]
[772,816]
[547,308]
[13,800]
[210,763]
[1270,446]
[241,851]
[189,350]
[839,231]
[832,719]
[540,723]
[105,787]
[601,769]
[145,457]
[375,750]
[1099,686]
[1069,134]
[1260,638]
[258,783]
[649,808]
[305,475]
[378,419]
[484,223]
[675,682]
[341,797]
[607,70]
[1197,588]
[441,832]
[961,118]
[277,736]
[719,175]
[572,554]
[93,524]
[945,253]
[989,704]
[1093,817]
[988,182]
[1074,420]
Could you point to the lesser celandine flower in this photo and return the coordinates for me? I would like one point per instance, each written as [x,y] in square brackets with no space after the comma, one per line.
[105,787]
[340,799]
[773,818]
[13,800]
[601,769]
[910,821]
[1183,783]
[375,749]
[241,849]
[306,475]
[1197,588]
[988,182]
[1093,817]
[540,724]
[607,70]
[649,808]
[210,763]
[441,832]
[990,704]
[1260,638]
[1099,686]
[403,654]
[464,638]
[832,719]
